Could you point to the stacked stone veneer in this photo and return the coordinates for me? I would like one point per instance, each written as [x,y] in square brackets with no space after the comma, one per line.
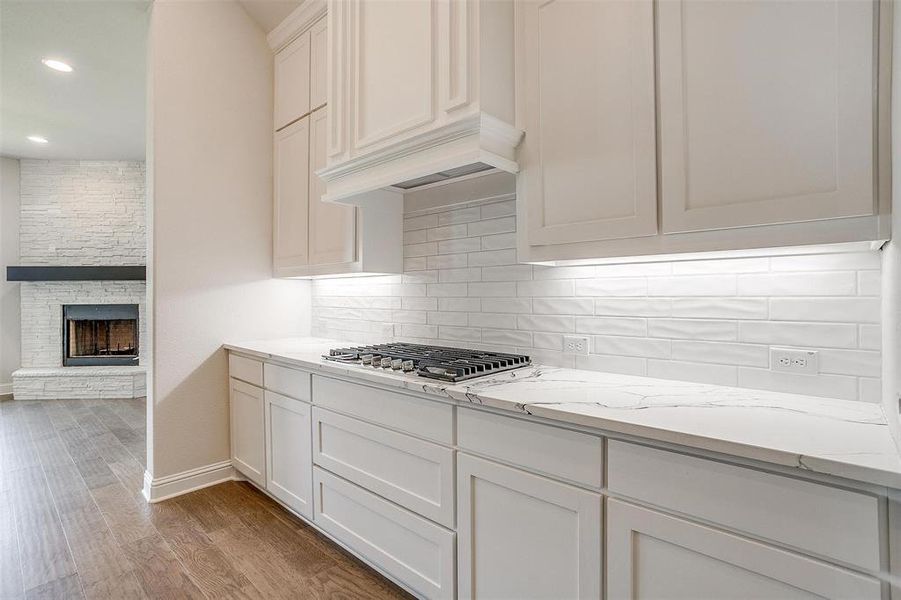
[78,213]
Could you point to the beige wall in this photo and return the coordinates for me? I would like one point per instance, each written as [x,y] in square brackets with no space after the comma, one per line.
[209,164]
[10,343]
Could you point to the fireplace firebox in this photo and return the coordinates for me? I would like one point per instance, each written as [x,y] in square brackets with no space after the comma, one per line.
[100,334]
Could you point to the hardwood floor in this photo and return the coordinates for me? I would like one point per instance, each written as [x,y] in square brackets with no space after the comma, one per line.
[73,523]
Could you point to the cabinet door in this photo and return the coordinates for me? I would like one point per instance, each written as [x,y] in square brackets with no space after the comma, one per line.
[289,458]
[391,67]
[588,161]
[291,195]
[248,437]
[524,536]
[318,64]
[652,555]
[766,112]
[292,81]
[332,226]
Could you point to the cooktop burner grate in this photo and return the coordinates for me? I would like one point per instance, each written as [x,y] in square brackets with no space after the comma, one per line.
[435,362]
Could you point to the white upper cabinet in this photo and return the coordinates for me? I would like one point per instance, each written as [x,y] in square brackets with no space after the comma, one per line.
[332,226]
[589,159]
[291,195]
[292,81]
[415,89]
[311,237]
[766,112]
[771,124]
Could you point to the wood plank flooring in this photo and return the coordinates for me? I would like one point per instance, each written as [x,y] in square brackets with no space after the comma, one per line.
[73,523]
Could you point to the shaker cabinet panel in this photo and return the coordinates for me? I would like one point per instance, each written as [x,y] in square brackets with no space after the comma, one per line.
[767,112]
[651,555]
[289,461]
[291,194]
[524,536]
[588,158]
[248,434]
[292,81]
[332,225]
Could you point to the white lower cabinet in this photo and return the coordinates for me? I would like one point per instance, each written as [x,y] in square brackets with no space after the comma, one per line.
[523,536]
[248,433]
[651,555]
[289,467]
[411,549]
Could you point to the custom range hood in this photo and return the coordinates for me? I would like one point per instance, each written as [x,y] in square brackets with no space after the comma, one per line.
[420,99]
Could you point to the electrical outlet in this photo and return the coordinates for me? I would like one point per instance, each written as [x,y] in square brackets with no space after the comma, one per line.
[792,360]
[575,344]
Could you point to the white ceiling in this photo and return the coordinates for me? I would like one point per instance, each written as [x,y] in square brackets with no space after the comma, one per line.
[95,112]
[269,13]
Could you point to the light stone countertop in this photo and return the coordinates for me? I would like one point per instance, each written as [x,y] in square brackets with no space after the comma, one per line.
[834,437]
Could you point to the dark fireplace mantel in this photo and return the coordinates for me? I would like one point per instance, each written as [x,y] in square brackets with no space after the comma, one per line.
[92,273]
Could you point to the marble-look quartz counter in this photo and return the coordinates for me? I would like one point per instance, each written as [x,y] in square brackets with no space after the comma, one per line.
[835,437]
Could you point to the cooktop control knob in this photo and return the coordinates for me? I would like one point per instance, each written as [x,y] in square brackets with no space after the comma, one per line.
[367,359]
[408,366]
[386,363]
[397,364]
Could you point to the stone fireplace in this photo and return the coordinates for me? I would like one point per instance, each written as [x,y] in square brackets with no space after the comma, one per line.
[84,337]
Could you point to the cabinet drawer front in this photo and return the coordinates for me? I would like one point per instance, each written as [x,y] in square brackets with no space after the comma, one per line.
[289,382]
[416,474]
[558,452]
[414,551]
[425,418]
[245,369]
[827,521]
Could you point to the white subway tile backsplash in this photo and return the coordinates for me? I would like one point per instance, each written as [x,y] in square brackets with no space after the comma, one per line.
[460,215]
[870,337]
[839,283]
[692,285]
[545,288]
[448,232]
[506,337]
[612,325]
[722,353]
[638,307]
[720,308]
[698,320]
[563,306]
[501,241]
[555,323]
[625,365]
[494,320]
[489,258]
[512,305]
[632,346]
[843,310]
[459,304]
[493,288]
[459,245]
[693,329]
[494,210]
[491,226]
[507,273]
[808,335]
[612,286]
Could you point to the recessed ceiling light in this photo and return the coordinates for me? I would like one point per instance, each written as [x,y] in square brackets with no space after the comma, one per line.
[37,139]
[57,65]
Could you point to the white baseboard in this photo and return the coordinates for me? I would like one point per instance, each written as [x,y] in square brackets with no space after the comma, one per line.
[6,389]
[163,488]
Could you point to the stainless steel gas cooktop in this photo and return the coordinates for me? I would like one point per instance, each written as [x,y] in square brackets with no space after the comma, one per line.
[436,362]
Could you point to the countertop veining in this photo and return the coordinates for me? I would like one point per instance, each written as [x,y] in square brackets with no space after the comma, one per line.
[835,437]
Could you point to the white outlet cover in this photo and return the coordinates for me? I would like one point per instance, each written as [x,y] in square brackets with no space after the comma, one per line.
[576,344]
[795,360]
